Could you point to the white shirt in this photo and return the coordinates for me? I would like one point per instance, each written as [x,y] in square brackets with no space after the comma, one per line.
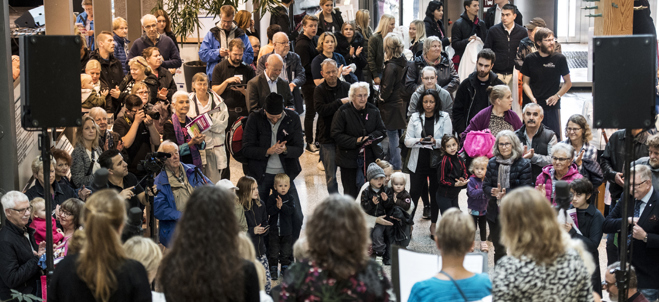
[644,202]
[272,84]
[497,15]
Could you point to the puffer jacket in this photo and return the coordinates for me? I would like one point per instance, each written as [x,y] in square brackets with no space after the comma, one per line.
[442,125]
[520,176]
[348,125]
[120,52]
[447,76]
[545,179]
[392,106]
[343,48]
[527,47]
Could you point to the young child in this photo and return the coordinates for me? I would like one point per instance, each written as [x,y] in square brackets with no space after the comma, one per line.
[388,170]
[39,222]
[281,208]
[377,200]
[90,98]
[476,198]
[452,176]
[402,210]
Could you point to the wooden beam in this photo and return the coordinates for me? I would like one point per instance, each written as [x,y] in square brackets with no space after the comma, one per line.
[133,17]
[102,16]
[617,17]
[59,17]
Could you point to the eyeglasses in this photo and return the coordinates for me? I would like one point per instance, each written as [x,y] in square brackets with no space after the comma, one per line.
[21,211]
[142,92]
[572,129]
[505,144]
[639,184]
[64,214]
[561,159]
[549,40]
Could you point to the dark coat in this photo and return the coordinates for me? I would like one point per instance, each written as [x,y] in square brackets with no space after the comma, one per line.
[468,103]
[167,47]
[285,215]
[120,52]
[613,158]
[527,47]
[257,140]
[166,79]
[62,193]
[343,48]
[293,68]
[489,17]
[540,143]
[416,48]
[520,176]
[151,82]
[447,76]
[257,216]
[392,106]
[112,74]
[280,17]
[174,39]
[305,47]
[336,17]
[462,29]
[436,28]
[383,207]
[375,56]
[258,90]
[327,101]
[505,46]
[644,254]
[348,125]
[590,225]
[19,269]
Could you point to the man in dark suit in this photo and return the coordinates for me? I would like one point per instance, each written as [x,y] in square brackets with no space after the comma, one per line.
[268,82]
[644,234]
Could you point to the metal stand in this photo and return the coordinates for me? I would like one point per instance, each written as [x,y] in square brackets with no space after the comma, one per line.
[622,275]
[44,146]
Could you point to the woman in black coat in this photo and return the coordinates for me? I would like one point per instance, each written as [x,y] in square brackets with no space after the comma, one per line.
[329,18]
[139,72]
[434,23]
[515,173]
[391,104]
[350,44]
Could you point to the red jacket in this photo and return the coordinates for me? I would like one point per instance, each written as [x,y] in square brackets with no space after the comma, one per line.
[39,225]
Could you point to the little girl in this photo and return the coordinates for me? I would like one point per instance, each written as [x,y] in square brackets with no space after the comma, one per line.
[452,176]
[402,210]
[39,222]
[476,198]
[388,170]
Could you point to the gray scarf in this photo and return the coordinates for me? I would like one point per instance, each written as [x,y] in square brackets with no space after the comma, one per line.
[503,177]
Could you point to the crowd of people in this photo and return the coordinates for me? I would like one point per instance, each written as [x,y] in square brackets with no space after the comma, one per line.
[389,111]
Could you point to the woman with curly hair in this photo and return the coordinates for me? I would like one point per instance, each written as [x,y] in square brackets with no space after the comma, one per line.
[338,268]
[208,226]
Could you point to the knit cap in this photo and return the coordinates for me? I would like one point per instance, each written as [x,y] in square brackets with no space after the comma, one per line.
[374,171]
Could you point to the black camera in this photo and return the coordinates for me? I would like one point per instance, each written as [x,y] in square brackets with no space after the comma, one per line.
[153,162]
[153,114]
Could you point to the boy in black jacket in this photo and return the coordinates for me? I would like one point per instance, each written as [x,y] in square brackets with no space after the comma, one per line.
[280,207]
[377,200]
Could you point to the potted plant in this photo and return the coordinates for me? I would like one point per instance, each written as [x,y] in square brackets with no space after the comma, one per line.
[184,17]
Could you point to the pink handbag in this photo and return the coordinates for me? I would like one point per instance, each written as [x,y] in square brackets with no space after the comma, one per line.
[479,143]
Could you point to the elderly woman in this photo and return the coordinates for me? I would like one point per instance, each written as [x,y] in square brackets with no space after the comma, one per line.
[454,240]
[68,215]
[174,130]
[392,105]
[541,252]
[329,19]
[350,44]
[561,168]
[139,72]
[63,162]
[108,139]
[417,33]
[425,128]
[85,153]
[209,215]
[326,46]
[59,193]
[357,128]
[497,117]
[165,78]
[338,263]
[433,56]
[375,56]
[506,171]
[203,100]
[433,22]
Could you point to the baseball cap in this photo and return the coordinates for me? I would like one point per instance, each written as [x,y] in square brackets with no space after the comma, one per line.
[536,22]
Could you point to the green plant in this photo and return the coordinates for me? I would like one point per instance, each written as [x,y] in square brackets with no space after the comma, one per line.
[16,295]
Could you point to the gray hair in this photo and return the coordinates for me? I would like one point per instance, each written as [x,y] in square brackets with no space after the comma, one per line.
[10,199]
[533,105]
[327,61]
[633,281]
[358,85]
[274,56]
[147,16]
[516,144]
[167,143]
[427,43]
[280,34]
[428,68]
[393,46]
[179,94]
[643,171]
[96,111]
[567,148]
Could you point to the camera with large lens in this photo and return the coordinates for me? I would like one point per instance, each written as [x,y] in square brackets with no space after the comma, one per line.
[152,113]
[153,162]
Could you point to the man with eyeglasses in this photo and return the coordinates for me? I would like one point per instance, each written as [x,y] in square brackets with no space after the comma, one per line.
[269,82]
[19,253]
[542,72]
[215,47]
[536,138]
[293,72]
[527,45]
[429,81]
[610,284]
[151,38]
[643,238]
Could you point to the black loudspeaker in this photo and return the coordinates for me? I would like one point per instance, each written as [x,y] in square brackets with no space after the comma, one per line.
[50,81]
[624,75]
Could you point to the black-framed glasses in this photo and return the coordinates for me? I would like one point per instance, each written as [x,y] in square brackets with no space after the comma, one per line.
[505,144]
[639,184]
[65,214]
[21,211]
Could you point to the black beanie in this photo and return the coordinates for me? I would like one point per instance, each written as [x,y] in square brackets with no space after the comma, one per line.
[274,103]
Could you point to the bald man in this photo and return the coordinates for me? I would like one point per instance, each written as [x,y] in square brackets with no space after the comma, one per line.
[267,82]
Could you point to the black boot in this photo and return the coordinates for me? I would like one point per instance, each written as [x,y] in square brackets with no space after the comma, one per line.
[273,273]
[283,270]
[426,212]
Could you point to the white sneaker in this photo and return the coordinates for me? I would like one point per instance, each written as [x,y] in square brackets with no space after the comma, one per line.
[320,166]
[378,259]
[311,148]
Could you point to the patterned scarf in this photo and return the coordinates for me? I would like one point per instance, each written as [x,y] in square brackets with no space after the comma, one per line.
[504,171]
[182,136]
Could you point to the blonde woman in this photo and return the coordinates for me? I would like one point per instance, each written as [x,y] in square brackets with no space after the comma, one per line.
[541,253]
[362,22]
[139,72]
[246,250]
[326,50]
[329,18]
[376,47]
[417,34]
[393,107]
[85,153]
[145,251]
[101,271]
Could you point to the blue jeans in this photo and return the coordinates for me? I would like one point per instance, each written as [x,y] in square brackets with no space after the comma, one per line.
[394,151]
[328,156]
[650,293]
[268,183]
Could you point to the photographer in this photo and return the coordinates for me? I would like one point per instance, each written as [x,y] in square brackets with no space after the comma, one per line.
[174,130]
[137,132]
[119,178]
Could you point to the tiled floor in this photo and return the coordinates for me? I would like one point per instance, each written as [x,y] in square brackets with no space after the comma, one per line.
[312,189]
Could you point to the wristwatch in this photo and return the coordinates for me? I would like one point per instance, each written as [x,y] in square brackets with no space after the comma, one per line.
[645,239]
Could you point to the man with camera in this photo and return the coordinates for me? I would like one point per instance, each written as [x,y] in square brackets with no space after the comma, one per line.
[137,132]
[120,179]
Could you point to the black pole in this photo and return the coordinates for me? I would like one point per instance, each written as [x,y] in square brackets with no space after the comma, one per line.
[622,275]
[44,144]
[152,218]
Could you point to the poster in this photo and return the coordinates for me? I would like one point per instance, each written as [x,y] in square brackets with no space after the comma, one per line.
[26,142]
